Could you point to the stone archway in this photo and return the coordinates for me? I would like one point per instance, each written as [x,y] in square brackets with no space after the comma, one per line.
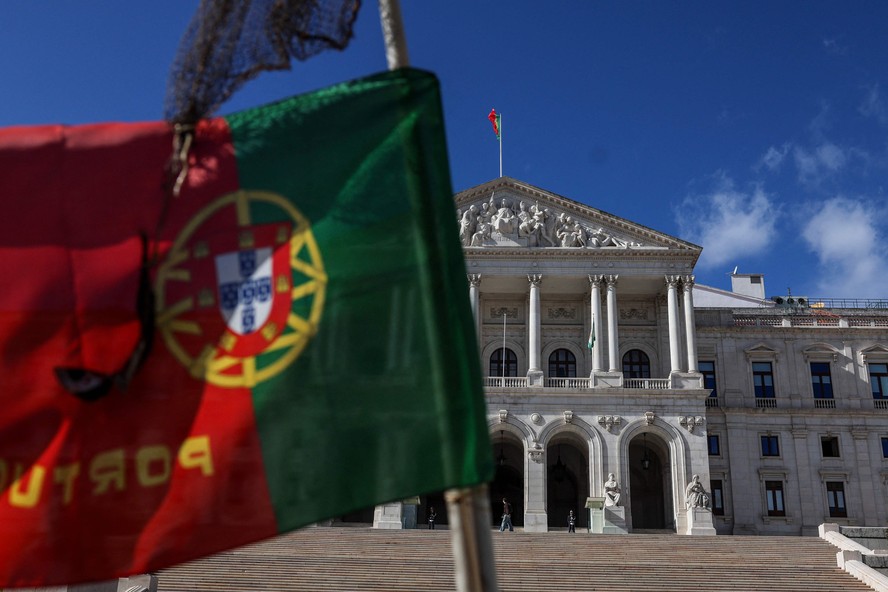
[508,481]
[650,496]
[567,483]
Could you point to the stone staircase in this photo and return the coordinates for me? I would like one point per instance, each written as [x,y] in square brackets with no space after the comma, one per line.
[353,559]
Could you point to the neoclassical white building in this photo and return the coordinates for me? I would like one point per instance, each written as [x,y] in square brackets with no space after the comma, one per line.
[603,356]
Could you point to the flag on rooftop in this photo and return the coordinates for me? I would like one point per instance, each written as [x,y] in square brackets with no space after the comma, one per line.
[495,119]
[310,350]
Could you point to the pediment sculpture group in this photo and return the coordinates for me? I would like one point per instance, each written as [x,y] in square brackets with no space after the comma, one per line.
[534,226]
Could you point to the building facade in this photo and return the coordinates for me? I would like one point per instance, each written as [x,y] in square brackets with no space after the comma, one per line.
[613,380]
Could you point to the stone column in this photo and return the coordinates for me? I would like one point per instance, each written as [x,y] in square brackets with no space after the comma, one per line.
[672,307]
[535,516]
[595,301]
[690,329]
[809,487]
[475,299]
[534,373]
[869,500]
[612,338]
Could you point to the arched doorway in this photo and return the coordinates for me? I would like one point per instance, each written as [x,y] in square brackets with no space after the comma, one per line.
[508,482]
[650,495]
[428,501]
[567,482]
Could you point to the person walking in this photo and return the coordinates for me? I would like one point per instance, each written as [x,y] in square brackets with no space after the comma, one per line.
[507,516]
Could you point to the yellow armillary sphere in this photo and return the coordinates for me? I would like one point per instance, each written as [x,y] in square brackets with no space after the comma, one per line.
[239,297]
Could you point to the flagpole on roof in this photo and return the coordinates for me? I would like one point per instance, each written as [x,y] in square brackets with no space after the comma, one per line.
[500,121]
[393,34]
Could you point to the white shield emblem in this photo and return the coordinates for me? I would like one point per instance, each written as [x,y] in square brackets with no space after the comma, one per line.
[245,289]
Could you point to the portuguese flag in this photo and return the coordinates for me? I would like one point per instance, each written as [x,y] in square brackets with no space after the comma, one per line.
[310,348]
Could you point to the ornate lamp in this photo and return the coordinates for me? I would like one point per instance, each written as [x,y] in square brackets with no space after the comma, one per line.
[645,460]
[559,469]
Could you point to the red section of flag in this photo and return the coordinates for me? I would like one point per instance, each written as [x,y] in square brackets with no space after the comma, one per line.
[167,470]
[494,119]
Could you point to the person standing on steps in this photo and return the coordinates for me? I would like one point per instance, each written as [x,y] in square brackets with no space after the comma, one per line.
[507,516]
[571,522]
[432,517]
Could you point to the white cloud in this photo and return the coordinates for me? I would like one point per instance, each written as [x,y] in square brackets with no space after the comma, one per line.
[873,105]
[845,235]
[833,47]
[816,164]
[774,157]
[728,224]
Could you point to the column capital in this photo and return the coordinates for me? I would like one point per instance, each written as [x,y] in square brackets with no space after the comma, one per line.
[474,279]
[535,279]
[595,280]
[611,281]
[688,281]
[672,281]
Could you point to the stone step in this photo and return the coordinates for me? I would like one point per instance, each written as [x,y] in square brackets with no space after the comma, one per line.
[363,559]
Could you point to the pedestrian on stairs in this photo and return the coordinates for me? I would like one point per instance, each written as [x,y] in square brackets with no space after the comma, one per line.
[432,517]
[507,516]
[571,522]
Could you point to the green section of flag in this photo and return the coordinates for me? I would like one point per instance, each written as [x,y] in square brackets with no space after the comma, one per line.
[386,400]
[591,343]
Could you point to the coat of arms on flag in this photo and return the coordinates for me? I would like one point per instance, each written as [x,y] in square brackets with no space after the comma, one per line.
[228,290]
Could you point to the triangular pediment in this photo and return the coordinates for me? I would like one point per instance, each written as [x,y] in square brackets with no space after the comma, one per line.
[506,212]
[761,351]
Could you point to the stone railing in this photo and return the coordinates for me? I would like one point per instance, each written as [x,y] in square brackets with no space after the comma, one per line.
[572,383]
[646,383]
[576,383]
[506,382]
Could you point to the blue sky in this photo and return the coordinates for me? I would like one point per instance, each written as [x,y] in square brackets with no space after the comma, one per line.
[758,130]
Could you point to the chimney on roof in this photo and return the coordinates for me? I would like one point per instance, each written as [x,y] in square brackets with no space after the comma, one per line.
[748,284]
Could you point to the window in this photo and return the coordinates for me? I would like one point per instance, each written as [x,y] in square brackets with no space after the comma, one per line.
[879,380]
[821,381]
[498,367]
[714,447]
[636,364]
[718,497]
[835,497]
[774,497]
[829,445]
[763,380]
[562,364]
[770,446]
[707,369]
[884,447]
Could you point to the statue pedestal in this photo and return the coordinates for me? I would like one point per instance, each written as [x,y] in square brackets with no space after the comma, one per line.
[388,516]
[700,522]
[595,506]
[615,520]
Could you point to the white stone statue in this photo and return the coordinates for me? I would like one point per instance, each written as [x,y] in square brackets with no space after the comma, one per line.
[695,495]
[467,225]
[611,491]
[505,221]
[600,238]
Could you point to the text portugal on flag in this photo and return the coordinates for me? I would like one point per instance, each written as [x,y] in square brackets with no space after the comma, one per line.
[313,346]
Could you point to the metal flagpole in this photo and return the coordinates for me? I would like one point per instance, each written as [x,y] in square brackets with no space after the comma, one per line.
[501,142]
[504,346]
[393,34]
[468,509]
